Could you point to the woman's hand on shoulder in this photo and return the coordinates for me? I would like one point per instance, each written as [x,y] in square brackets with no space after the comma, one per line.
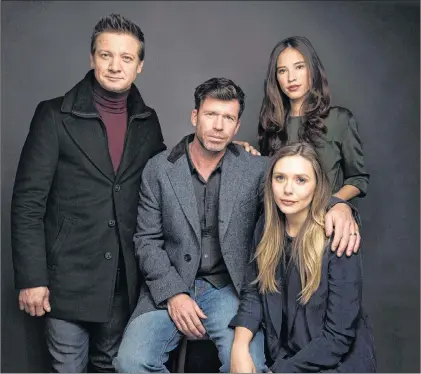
[247,147]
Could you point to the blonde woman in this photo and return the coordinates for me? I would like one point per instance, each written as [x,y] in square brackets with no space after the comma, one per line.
[307,299]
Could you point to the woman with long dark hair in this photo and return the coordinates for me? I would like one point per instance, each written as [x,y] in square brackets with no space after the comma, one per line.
[297,107]
[307,299]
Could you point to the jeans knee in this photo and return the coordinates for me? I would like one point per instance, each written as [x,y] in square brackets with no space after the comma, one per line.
[128,361]
[124,363]
[145,344]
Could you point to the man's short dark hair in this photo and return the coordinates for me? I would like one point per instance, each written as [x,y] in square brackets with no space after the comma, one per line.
[118,24]
[219,88]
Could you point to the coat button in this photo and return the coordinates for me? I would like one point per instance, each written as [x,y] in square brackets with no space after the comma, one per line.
[187,258]
[117,188]
[108,255]
[111,223]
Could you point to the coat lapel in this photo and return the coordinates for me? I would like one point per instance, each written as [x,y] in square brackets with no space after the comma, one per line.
[91,139]
[135,138]
[181,181]
[85,128]
[233,169]
[136,133]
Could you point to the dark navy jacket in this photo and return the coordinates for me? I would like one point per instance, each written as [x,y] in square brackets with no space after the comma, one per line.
[337,330]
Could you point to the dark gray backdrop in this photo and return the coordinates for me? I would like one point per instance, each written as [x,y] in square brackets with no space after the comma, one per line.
[371,54]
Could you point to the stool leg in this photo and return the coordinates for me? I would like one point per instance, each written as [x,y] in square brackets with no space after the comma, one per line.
[182,356]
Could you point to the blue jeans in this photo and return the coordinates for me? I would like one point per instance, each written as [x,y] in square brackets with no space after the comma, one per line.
[150,337]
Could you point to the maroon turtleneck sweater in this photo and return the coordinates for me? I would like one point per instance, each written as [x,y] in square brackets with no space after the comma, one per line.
[112,107]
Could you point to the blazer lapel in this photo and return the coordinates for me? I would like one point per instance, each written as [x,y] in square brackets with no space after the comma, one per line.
[91,139]
[232,173]
[180,179]
[135,138]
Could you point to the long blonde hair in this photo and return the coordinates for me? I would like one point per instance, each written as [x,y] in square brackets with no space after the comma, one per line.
[309,244]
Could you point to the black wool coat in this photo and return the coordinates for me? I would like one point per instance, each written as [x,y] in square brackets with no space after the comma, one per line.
[71,213]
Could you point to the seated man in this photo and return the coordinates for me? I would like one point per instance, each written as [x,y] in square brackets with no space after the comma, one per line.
[198,208]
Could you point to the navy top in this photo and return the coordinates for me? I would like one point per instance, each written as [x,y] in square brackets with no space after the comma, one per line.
[293,341]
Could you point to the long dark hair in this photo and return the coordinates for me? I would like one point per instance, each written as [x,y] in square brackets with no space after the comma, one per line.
[276,107]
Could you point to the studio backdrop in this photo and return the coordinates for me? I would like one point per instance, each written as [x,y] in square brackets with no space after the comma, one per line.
[370,51]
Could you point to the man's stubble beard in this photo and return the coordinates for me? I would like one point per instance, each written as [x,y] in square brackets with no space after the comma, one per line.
[202,143]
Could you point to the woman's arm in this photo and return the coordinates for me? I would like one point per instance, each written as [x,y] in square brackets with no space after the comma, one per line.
[249,313]
[356,176]
[241,361]
[246,322]
[343,310]
[249,316]
[347,192]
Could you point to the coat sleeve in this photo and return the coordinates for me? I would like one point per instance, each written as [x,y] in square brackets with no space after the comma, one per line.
[34,177]
[250,310]
[343,310]
[160,275]
[353,167]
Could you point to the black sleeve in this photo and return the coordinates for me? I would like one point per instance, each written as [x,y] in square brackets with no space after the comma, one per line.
[35,174]
[353,167]
[250,310]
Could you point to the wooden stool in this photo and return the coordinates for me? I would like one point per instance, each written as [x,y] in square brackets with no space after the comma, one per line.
[187,362]
[180,362]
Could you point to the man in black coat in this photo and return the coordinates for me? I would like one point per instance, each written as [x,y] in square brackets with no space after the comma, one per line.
[75,203]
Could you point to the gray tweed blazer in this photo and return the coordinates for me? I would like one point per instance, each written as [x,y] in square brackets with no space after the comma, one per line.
[168,237]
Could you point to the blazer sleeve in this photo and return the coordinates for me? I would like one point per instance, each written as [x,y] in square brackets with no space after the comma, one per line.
[250,310]
[343,310]
[34,177]
[353,167]
[160,275]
